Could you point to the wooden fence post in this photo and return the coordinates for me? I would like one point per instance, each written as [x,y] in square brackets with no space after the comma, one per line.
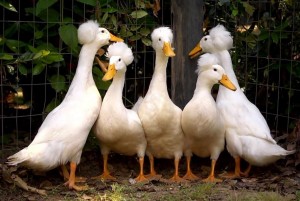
[187,27]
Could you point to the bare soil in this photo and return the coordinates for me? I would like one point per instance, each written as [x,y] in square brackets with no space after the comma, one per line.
[275,182]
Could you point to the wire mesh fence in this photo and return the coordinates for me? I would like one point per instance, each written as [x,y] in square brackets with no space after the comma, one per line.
[265,57]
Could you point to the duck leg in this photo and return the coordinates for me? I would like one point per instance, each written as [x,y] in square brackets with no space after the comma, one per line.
[189,174]
[72,178]
[211,177]
[66,175]
[237,170]
[141,176]
[153,174]
[176,177]
[247,171]
[106,174]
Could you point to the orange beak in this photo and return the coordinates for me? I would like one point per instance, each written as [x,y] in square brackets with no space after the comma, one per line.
[196,51]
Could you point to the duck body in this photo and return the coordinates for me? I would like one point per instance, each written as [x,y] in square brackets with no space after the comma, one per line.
[247,134]
[203,127]
[119,129]
[201,121]
[160,117]
[62,135]
[161,124]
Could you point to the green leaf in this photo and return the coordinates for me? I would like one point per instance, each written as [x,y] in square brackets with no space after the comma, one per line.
[263,35]
[42,5]
[109,10]
[5,56]
[54,102]
[52,57]
[27,56]
[145,31]
[235,12]
[275,37]
[8,6]
[249,9]
[38,34]
[104,18]
[40,54]
[138,14]
[50,16]
[124,32]
[68,34]
[146,41]
[135,37]
[114,20]
[58,82]
[135,27]
[88,2]
[22,69]
[13,45]
[38,68]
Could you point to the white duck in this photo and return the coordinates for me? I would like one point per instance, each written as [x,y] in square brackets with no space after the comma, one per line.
[201,122]
[247,133]
[159,115]
[119,129]
[62,135]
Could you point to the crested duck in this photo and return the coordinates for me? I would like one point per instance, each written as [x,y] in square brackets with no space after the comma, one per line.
[63,133]
[247,133]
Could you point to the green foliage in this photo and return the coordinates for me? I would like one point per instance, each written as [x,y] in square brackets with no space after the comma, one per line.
[43,47]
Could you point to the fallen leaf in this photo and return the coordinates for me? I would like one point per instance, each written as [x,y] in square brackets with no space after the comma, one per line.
[86,197]
[46,184]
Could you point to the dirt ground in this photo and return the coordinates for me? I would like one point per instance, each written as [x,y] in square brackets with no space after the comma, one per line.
[275,182]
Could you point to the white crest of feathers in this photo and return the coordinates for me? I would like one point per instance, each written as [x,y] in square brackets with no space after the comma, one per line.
[87,32]
[221,38]
[206,61]
[122,50]
[162,31]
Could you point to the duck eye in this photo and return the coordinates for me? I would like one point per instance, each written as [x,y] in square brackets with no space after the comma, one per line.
[102,31]
[215,69]
[205,39]
[159,39]
[119,60]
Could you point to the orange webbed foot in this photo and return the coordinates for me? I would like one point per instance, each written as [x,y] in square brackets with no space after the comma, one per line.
[190,176]
[104,176]
[176,179]
[141,178]
[212,179]
[75,187]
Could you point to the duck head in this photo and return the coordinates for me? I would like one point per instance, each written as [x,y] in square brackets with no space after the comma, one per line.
[162,39]
[120,56]
[210,70]
[90,32]
[218,39]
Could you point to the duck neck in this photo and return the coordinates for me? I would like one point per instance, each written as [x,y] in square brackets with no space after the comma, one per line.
[203,85]
[226,63]
[115,90]
[83,75]
[159,78]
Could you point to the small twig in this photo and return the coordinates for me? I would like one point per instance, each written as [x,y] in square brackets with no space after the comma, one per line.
[101,64]
[22,184]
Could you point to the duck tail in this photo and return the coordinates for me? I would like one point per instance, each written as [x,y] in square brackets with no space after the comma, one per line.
[288,152]
[18,157]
